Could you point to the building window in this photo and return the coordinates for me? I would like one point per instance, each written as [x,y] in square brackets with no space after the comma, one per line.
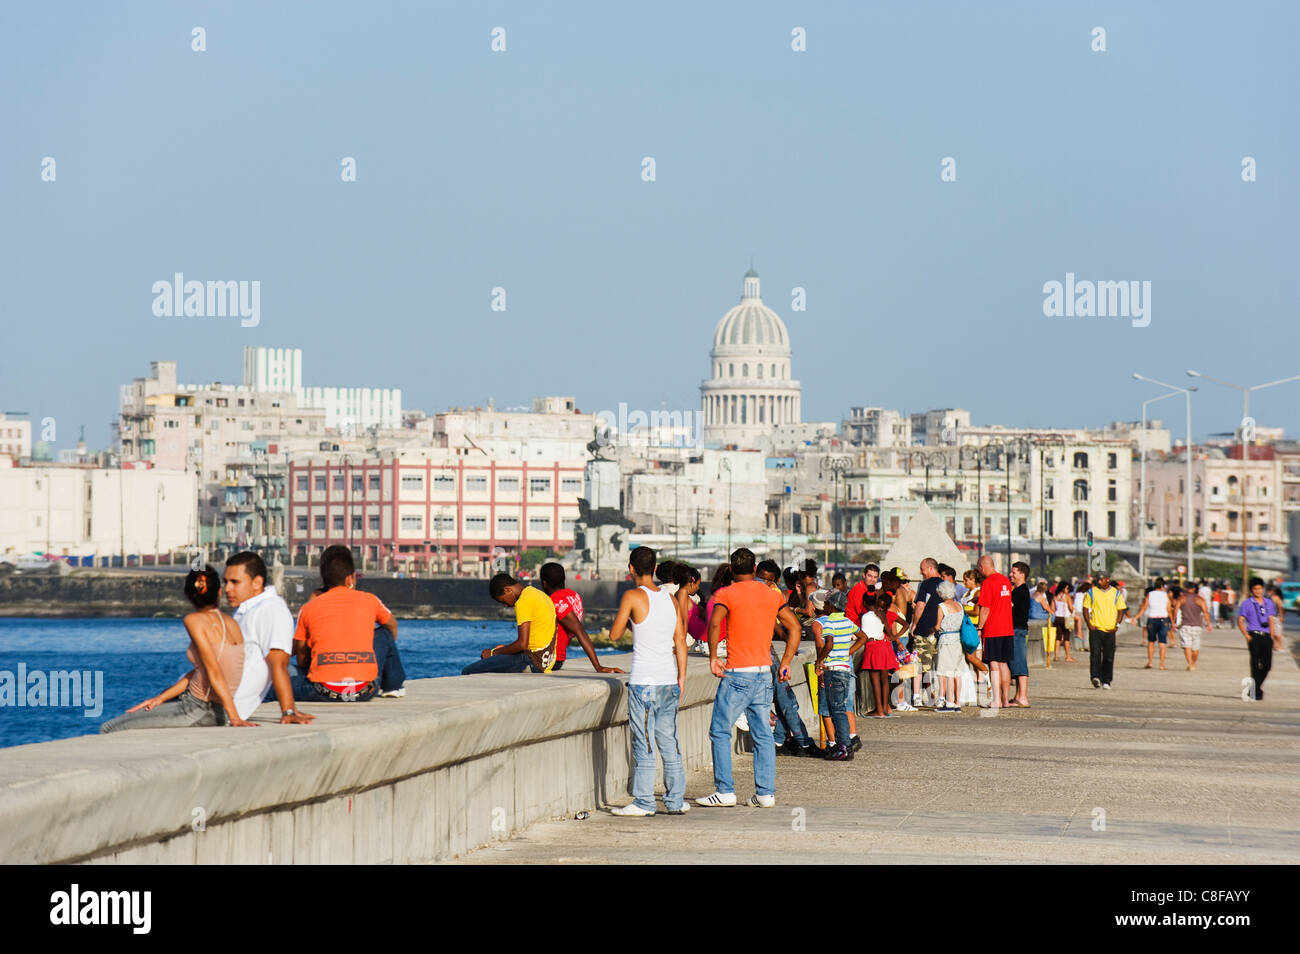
[374,482]
[320,523]
[539,485]
[571,485]
[507,526]
[507,485]
[1023,527]
[1112,490]
[476,485]
[444,522]
[320,483]
[476,524]
[538,525]
[358,484]
[412,482]
[968,526]
[444,484]
[1081,461]
[356,521]
[302,483]
[1112,523]
[412,522]
[1112,461]
[1080,491]
[338,522]
[302,523]
[338,482]
[374,523]
[566,526]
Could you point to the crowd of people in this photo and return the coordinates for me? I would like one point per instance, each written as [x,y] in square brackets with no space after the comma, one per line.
[885,642]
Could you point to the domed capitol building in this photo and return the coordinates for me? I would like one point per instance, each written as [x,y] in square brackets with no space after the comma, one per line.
[751,391]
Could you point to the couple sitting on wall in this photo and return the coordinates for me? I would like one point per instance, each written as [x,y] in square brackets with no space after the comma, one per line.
[238,660]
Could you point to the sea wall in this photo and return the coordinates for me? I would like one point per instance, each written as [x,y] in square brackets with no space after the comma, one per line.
[460,762]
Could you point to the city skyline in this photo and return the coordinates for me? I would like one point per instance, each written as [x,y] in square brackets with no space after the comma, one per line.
[824,166]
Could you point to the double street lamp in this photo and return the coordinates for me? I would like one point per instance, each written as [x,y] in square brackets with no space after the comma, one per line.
[1247,431]
[1143,516]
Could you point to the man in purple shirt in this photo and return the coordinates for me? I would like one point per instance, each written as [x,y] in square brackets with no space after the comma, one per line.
[1257,620]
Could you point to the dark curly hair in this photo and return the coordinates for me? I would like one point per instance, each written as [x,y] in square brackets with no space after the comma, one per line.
[203,587]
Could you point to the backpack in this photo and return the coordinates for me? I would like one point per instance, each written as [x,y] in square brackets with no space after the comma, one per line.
[970,636]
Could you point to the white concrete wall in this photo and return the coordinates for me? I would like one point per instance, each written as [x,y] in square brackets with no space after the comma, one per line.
[460,762]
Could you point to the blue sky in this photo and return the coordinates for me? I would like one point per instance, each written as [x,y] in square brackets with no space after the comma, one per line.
[522,169]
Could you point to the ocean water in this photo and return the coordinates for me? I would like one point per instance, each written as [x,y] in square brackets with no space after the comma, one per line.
[139,658]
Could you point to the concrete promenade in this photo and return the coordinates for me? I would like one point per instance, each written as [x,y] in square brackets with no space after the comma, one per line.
[1166,767]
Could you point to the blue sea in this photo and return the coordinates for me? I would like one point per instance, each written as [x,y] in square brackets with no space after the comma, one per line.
[141,657]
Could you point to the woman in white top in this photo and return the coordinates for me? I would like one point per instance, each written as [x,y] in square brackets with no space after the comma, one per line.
[1156,605]
[1062,611]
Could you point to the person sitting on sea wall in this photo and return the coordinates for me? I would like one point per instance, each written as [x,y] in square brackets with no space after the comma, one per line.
[534,647]
[344,657]
[205,695]
[568,618]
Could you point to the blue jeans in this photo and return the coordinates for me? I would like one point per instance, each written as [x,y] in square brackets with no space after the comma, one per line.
[750,693]
[652,715]
[1019,653]
[837,686]
[502,662]
[788,720]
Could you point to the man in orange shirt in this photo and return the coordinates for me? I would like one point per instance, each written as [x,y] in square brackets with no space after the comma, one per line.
[750,609]
[336,644]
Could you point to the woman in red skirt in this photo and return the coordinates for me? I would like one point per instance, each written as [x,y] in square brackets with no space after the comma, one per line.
[879,658]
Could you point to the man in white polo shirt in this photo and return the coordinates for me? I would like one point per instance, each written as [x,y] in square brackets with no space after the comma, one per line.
[267,625]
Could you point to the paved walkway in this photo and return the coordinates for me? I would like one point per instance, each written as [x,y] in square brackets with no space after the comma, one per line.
[1165,767]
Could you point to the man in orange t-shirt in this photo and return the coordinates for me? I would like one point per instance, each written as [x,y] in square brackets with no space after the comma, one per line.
[750,609]
[336,643]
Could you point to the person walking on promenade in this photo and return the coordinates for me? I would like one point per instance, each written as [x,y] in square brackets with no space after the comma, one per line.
[205,695]
[267,626]
[1021,604]
[534,647]
[837,640]
[1062,620]
[1156,605]
[568,618]
[748,607]
[1257,620]
[997,630]
[1195,619]
[336,645]
[654,690]
[1103,610]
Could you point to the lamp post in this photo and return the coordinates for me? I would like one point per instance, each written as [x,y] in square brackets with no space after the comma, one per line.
[1187,482]
[1049,440]
[725,464]
[837,466]
[1246,423]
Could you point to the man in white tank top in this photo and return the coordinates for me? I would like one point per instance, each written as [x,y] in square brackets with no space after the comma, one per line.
[655,687]
[1156,605]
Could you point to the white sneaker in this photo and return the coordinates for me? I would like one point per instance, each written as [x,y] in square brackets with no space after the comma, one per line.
[1105,685]
[686,807]
[761,801]
[630,810]
[742,722]
[941,703]
[904,707]
[717,800]
[394,694]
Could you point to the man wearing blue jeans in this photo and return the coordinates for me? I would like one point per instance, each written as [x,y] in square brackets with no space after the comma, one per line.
[1020,599]
[655,687]
[750,609]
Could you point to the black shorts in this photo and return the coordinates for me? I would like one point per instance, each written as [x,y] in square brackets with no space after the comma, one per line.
[998,649]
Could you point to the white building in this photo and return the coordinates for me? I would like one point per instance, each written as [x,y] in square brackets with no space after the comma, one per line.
[15,436]
[84,511]
[751,390]
[688,491]
[1226,491]
[351,410]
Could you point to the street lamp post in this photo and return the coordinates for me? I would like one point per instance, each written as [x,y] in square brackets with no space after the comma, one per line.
[837,465]
[1143,516]
[1245,454]
[725,464]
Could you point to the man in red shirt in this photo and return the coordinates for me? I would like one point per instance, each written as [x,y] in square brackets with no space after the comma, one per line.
[568,617]
[996,628]
[869,584]
[750,609]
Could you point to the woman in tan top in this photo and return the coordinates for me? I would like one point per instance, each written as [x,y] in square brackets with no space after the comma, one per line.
[206,694]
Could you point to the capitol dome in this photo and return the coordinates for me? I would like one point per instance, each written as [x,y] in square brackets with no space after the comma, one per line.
[751,390]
